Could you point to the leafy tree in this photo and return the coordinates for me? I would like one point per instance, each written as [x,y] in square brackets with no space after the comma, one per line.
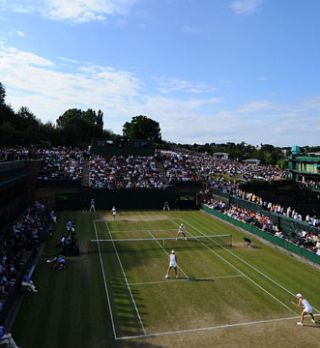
[26,118]
[68,117]
[78,127]
[2,94]
[142,127]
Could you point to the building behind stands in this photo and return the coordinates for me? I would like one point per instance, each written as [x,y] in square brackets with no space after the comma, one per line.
[305,169]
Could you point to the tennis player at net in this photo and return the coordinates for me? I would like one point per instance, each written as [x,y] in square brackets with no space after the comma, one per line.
[172,264]
[181,231]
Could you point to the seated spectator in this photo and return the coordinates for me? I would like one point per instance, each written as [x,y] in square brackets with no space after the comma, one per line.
[27,284]
[58,262]
[69,226]
[53,216]
[6,338]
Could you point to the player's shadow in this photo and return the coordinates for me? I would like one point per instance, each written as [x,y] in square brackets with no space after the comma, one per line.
[194,279]
[312,326]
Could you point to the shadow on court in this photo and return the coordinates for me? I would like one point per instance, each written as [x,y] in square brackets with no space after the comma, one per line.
[194,279]
[139,344]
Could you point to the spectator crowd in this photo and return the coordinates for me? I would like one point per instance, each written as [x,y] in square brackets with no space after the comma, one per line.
[307,239]
[17,244]
[158,171]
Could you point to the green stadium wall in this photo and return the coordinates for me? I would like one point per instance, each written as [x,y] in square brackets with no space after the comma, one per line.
[283,243]
[132,199]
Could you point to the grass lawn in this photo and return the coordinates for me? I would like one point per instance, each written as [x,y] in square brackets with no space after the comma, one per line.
[115,294]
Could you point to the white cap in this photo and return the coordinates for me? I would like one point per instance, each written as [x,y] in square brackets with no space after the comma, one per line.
[172,251]
[298,295]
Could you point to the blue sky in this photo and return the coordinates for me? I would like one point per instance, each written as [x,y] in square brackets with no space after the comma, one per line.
[206,70]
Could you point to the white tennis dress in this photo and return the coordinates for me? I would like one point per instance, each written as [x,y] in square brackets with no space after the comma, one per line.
[307,308]
[173,261]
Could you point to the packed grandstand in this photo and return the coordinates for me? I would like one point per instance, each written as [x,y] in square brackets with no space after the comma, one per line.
[158,171]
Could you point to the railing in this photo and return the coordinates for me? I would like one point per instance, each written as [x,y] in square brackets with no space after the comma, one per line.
[281,242]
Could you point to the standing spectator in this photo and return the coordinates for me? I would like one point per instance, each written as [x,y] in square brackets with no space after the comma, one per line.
[114,212]
[53,216]
[92,206]
[166,206]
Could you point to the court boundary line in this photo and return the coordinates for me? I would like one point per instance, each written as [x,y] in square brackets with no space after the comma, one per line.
[176,332]
[253,267]
[105,283]
[237,269]
[174,281]
[209,328]
[126,281]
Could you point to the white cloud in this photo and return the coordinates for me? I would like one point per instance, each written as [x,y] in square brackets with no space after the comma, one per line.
[244,7]
[191,29]
[74,11]
[48,90]
[255,106]
[38,83]
[19,33]
[173,84]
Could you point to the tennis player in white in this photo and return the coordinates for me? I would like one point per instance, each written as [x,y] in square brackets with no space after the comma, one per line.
[172,264]
[181,230]
[114,212]
[307,309]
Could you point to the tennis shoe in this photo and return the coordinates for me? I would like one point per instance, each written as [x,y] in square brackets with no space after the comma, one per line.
[166,276]
[313,321]
[177,276]
[299,323]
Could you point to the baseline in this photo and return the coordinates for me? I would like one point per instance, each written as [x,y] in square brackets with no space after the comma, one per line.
[209,328]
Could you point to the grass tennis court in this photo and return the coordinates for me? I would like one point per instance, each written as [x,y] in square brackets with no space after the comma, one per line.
[115,293]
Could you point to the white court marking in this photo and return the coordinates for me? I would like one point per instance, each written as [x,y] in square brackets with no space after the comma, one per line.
[209,328]
[254,268]
[176,332]
[237,269]
[105,282]
[126,280]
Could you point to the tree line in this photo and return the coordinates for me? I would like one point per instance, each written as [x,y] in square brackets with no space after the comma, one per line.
[76,127]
